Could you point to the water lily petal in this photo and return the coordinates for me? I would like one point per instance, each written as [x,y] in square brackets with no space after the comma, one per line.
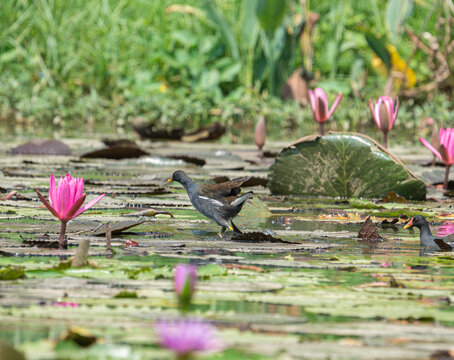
[334,106]
[375,114]
[396,109]
[52,190]
[49,206]
[431,148]
[89,205]
[389,107]
[74,208]
[314,105]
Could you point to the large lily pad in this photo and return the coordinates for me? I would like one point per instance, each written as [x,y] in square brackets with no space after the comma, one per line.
[342,164]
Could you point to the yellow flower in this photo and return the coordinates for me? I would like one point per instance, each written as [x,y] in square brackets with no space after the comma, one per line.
[163,88]
[398,65]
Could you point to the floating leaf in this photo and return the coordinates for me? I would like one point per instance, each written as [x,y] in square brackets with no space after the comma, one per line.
[116,152]
[392,197]
[258,236]
[342,165]
[368,231]
[12,273]
[42,147]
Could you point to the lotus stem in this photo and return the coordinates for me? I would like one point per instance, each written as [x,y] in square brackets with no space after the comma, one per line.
[61,239]
[385,140]
[445,182]
[322,129]
[187,356]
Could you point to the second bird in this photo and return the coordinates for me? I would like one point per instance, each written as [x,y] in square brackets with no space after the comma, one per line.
[219,202]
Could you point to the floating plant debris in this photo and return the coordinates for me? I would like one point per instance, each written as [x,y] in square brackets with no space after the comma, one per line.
[368,231]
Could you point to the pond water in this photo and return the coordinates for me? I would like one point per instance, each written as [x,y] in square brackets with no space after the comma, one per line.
[319,294]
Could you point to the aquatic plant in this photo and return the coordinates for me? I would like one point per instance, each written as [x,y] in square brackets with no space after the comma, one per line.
[260,134]
[187,336]
[319,106]
[445,229]
[66,200]
[185,281]
[445,152]
[384,114]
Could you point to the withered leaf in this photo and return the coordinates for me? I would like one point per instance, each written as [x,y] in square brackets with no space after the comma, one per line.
[368,231]
[395,284]
[116,152]
[252,181]
[212,132]
[258,236]
[393,197]
[116,227]
[42,147]
[188,159]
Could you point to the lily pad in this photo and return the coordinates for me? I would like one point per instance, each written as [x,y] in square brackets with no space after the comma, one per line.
[342,165]
[12,273]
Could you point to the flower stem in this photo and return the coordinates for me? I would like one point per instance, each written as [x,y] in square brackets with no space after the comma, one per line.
[445,182]
[385,140]
[61,239]
[187,356]
[322,129]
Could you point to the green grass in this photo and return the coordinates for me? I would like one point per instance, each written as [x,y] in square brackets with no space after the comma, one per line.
[98,64]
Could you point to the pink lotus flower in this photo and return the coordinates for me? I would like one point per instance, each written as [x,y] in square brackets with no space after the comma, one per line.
[66,200]
[319,106]
[445,152]
[186,336]
[384,115]
[65,304]
[185,281]
[447,228]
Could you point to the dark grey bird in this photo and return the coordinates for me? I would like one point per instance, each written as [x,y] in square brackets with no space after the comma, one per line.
[219,202]
[426,239]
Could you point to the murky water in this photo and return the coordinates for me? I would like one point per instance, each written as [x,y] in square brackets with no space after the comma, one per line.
[321,293]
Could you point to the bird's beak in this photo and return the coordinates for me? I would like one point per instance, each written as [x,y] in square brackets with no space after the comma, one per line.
[409,224]
[169,180]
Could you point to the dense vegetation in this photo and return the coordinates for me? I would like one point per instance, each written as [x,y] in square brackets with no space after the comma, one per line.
[99,64]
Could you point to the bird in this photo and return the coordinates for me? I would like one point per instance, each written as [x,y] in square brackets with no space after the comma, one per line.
[219,202]
[427,240]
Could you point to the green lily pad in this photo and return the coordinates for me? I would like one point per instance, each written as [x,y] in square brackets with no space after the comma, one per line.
[342,165]
[12,273]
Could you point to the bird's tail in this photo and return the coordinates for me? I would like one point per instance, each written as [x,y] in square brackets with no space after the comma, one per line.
[242,199]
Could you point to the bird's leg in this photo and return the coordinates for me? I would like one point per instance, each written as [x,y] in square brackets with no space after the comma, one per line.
[235,229]
[222,232]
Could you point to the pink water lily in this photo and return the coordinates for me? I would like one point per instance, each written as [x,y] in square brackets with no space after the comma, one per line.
[384,114]
[319,106]
[186,336]
[66,200]
[445,229]
[445,152]
[185,281]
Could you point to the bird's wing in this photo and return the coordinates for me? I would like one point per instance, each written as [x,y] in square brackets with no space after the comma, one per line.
[444,246]
[217,203]
[223,190]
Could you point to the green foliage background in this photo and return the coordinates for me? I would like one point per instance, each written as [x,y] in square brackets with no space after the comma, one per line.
[97,64]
